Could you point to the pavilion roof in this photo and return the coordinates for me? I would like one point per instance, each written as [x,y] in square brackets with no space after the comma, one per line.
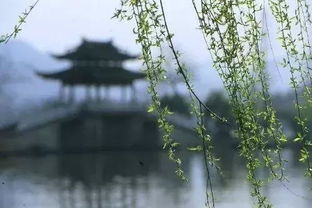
[96,51]
[94,76]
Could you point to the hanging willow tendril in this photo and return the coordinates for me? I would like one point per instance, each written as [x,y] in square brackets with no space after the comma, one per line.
[241,77]
[233,33]
[271,126]
[294,61]
[197,110]
[152,25]
[150,35]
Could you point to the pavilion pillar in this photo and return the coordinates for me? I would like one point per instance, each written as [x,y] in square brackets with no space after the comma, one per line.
[71,94]
[124,94]
[102,91]
[88,93]
[106,92]
[62,92]
[133,92]
[91,93]
[98,93]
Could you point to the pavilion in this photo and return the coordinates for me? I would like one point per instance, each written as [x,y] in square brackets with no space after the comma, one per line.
[94,65]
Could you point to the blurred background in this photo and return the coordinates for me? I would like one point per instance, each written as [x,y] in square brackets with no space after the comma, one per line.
[74,127]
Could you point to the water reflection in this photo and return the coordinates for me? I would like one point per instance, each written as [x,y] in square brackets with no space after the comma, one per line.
[133,179]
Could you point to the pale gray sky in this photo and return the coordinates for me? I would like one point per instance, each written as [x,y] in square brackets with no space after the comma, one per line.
[58,25]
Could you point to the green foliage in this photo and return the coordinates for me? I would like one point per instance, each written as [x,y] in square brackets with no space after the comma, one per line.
[297,60]
[233,33]
[151,33]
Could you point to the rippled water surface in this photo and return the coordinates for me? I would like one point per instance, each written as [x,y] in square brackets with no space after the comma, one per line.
[135,179]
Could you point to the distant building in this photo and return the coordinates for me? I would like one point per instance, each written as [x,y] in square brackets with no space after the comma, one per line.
[87,126]
[94,64]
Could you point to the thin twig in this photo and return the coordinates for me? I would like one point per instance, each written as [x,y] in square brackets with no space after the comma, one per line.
[17,28]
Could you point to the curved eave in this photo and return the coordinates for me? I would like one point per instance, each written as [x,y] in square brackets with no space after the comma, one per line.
[96,55]
[94,77]
[75,57]
[49,75]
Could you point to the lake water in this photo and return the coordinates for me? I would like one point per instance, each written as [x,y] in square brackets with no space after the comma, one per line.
[136,179]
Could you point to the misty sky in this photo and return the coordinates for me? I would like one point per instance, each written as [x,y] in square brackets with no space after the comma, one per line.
[58,25]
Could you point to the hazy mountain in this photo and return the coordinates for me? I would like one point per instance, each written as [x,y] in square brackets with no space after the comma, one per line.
[20,87]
